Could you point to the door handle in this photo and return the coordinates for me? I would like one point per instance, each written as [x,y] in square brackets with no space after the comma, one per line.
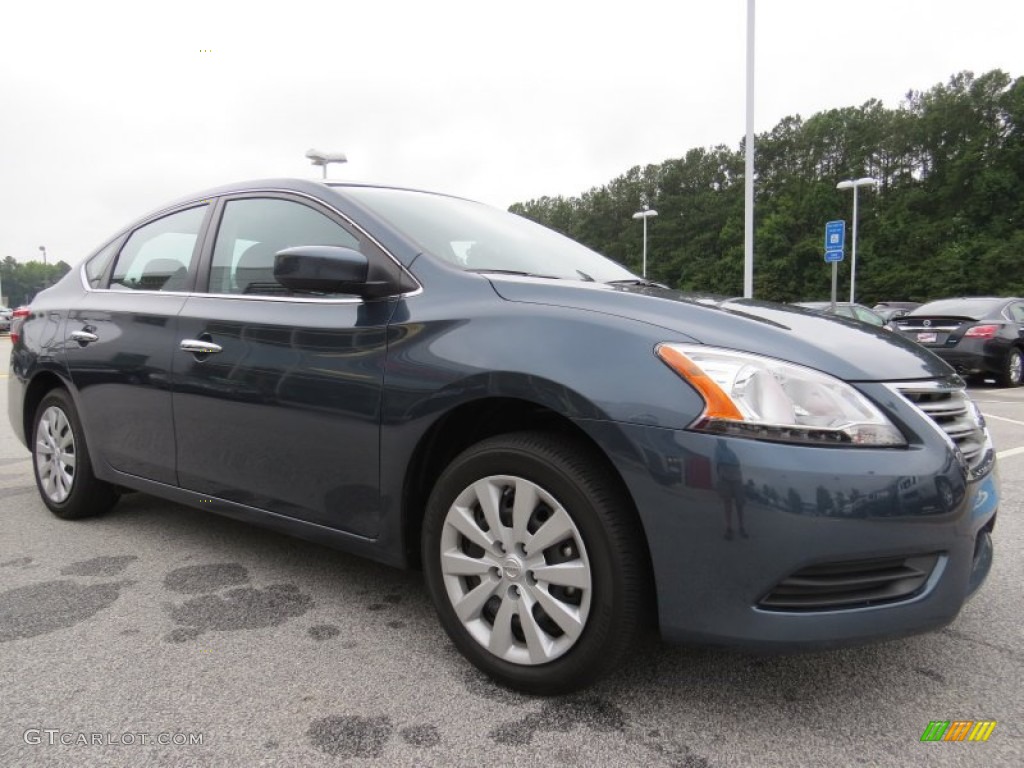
[84,337]
[199,347]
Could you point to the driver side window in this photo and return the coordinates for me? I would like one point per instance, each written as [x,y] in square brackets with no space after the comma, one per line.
[253,230]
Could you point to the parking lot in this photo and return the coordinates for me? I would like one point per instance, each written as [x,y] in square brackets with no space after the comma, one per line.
[161,623]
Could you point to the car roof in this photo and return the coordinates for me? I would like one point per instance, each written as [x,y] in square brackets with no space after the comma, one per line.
[314,187]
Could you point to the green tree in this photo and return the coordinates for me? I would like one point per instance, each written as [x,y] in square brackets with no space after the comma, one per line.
[946,219]
[23,280]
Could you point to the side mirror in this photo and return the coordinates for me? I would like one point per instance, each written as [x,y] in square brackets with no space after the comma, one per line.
[326,269]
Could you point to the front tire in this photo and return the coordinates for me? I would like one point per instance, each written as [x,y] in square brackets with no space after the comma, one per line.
[1013,369]
[535,562]
[63,470]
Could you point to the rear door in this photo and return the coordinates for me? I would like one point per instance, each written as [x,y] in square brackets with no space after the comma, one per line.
[285,415]
[119,344]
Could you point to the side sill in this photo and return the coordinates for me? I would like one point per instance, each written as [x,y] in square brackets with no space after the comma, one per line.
[351,543]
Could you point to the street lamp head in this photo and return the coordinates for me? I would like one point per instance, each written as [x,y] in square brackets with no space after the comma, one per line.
[853,184]
[323,158]
[645,213]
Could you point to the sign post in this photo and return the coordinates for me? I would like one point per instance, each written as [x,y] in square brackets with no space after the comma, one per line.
[835,239]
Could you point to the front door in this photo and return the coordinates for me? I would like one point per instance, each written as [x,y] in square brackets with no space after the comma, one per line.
[284,414]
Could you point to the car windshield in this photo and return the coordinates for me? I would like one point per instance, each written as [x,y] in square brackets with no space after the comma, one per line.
[972,308]
[478,238]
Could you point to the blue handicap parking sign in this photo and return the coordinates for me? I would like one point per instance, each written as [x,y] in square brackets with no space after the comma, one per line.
[835,236]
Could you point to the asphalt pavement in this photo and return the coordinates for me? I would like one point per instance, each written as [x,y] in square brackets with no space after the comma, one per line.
[240,647]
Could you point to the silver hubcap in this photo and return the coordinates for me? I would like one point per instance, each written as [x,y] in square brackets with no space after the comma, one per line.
[515,570]
[55,454]
[1016,364]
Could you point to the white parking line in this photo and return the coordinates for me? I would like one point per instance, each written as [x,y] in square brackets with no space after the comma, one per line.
[1003,418]
[1010,452]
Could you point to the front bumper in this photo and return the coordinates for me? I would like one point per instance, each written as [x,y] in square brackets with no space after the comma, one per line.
[722,544]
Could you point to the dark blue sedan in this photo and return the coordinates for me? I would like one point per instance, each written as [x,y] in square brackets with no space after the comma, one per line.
[569,452]
[980,336]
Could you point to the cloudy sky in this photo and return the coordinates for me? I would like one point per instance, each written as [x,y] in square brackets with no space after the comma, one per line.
[109,109]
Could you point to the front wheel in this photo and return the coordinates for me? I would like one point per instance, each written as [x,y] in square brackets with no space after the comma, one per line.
[535,562]
[1013,369]
[63,470]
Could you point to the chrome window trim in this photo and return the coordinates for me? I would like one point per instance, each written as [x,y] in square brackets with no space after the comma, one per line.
[254,296]
[303,299]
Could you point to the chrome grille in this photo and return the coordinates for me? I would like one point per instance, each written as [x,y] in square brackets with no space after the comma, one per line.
[950,408]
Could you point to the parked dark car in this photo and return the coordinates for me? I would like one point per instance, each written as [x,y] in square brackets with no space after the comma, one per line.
[845,309]
[560,445]
[890,310]
[979,336]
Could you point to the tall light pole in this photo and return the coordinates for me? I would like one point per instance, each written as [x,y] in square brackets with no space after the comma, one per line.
[323,159]
[748,172]
[855,184]
[645,214]
[43,249]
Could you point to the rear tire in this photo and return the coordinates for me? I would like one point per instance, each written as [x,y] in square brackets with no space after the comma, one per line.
[61,462]
[1012,373]
[535,562]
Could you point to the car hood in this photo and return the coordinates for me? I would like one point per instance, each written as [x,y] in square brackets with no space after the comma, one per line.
[848,349]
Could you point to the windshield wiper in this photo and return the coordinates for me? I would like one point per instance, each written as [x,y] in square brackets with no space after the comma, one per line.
[637,281]
[512,272]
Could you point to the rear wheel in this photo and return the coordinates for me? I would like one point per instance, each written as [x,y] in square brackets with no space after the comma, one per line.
[63,470]
[1013,369]
[535,562]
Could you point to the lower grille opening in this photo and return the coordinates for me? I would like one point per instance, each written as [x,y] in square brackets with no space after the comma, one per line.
[854,584]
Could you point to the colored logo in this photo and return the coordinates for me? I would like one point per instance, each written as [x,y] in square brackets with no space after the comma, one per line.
[958,730]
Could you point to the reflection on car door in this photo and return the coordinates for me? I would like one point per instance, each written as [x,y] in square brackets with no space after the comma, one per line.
[285,416]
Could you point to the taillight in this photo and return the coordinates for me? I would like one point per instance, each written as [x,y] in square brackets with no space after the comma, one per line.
[17,318]
[981,332]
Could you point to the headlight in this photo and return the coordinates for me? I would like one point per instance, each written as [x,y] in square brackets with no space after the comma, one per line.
[760,397]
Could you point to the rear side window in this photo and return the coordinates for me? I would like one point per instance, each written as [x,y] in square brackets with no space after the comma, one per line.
[253,230]
[1017,312]
[157,255]
[97,266]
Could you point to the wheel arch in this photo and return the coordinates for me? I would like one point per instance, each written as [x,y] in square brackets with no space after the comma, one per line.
[1003,373]
[468,424]
[41,384]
